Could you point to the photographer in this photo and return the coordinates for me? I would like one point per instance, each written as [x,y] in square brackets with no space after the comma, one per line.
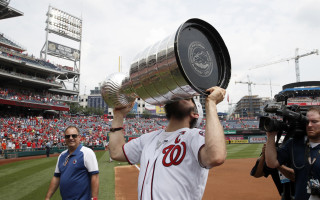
[304,156]
[282,176]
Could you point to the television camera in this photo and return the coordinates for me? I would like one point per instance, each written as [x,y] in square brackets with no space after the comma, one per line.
[293,121]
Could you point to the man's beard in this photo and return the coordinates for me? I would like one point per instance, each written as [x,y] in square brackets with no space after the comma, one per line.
[179,111]
[314,135]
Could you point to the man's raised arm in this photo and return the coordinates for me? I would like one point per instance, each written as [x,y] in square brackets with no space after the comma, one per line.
[116,138]
[271,151]
[214,151]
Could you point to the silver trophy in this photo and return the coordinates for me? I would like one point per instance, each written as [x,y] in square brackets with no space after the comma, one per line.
[181,66]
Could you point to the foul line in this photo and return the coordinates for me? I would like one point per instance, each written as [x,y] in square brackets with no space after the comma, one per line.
[137,167]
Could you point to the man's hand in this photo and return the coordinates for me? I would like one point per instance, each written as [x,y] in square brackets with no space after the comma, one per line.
[54,184]
[216,94]
[119,114]
[123,111]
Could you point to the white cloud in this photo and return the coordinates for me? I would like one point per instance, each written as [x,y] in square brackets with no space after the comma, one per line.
[255,32]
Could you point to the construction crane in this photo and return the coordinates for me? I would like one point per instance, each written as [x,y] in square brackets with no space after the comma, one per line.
[249,83]
[296,58]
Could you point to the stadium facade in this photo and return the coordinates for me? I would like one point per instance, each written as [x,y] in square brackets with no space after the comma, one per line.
[35,86]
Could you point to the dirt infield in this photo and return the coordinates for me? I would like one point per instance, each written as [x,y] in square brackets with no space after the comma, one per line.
[232,180]
[11,160]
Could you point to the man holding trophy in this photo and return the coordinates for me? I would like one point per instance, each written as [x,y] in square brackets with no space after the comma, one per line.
[174,161]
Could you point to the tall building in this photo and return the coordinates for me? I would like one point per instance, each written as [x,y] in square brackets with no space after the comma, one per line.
[141,105]
[95,100]
[83,100]
[250,106]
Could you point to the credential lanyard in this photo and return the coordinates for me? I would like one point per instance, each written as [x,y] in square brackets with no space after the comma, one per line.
[308,156]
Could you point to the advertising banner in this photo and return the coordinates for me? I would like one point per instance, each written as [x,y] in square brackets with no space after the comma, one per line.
[237,137]
[56,49]
[239,141]
[230,132]
[160,110]
[135,108]
[257,139]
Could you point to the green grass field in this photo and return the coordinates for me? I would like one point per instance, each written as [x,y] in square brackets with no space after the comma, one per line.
[30,179]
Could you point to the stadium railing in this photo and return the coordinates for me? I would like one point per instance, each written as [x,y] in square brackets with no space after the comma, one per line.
[16,153]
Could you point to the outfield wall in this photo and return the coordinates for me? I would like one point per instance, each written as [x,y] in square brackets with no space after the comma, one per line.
[235,136]
[16,153]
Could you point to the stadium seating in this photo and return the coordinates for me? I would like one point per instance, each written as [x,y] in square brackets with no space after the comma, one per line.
[32,97]
[93,129]
[6,41]
[27,59]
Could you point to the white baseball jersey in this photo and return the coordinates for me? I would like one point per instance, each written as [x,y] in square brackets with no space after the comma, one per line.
[169,165]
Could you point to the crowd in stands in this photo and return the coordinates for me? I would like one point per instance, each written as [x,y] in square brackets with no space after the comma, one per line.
[35,132]
[65,67]
[33,97]
[25,75]
[5,40]
[240,124]
[30,59]
[27,58]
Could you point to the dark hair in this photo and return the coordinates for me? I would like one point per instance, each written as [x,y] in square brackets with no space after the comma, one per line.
[78,130]
[173,110]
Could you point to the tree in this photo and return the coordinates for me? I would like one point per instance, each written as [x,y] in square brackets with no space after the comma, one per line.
[75,108]
[131,114]
[146,114]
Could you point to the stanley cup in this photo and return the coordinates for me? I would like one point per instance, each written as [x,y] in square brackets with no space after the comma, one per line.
[180,66]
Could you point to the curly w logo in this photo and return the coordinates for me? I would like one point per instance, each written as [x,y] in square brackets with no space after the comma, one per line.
[174,154]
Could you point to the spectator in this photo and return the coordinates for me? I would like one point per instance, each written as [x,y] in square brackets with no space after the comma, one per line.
[4,145]
[86,183]
[33,145]
[29,145]
[9,146]
[48,146]
[17,145]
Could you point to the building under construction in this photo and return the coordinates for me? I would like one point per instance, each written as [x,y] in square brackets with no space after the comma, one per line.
[250,107]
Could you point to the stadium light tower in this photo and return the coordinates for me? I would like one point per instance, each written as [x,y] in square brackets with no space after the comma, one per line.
[67,26]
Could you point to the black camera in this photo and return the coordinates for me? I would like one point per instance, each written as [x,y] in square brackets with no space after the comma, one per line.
[314,187]
[293,120]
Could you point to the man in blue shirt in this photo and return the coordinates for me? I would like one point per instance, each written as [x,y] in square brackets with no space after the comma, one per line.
[303,155]
[76,171]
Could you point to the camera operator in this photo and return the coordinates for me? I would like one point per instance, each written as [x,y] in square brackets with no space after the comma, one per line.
[282,176]
[303,154]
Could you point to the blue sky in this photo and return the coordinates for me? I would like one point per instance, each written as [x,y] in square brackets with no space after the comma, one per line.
[255,32]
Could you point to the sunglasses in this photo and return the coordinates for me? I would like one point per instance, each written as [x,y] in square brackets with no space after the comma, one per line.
[72,135]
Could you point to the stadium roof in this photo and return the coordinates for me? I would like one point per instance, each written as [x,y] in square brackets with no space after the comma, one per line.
[300,89]
[7,11]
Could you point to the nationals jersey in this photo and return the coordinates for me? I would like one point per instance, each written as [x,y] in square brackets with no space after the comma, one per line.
[169,164]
